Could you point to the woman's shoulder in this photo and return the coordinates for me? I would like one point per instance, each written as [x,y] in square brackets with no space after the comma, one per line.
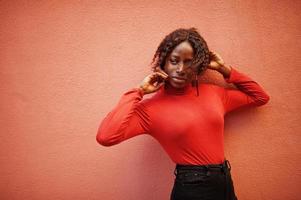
[151,99]
[213,89]
[213,86]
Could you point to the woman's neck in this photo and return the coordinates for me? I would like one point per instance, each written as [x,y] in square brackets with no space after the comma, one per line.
[169,89]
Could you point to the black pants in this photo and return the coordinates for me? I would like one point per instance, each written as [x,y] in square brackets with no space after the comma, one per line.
[203,182]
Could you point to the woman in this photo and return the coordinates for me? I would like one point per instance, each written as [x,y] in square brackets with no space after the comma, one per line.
[185,117]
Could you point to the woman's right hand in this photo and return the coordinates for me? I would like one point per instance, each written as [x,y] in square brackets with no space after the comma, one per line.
[153,82]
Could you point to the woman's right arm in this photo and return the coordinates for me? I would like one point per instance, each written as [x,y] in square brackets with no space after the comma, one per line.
[130,116]
[127,119]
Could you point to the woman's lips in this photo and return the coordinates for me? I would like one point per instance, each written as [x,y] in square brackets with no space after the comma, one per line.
[178,79]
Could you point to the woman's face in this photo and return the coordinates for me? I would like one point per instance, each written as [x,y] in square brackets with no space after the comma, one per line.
[178,65]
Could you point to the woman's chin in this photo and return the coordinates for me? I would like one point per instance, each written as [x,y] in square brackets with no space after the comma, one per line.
[178,85]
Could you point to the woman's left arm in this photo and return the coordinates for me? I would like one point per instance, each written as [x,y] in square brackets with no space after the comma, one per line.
[249,91]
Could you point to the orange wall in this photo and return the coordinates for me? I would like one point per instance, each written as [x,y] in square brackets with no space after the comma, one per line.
[65,64]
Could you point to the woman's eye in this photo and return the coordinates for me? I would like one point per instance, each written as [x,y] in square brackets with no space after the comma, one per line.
[173,61]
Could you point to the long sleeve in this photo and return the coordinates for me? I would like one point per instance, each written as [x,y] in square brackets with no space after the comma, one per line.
[127,119]
[249,92]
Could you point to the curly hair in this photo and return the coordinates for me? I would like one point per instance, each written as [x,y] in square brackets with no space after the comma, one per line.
[199,45]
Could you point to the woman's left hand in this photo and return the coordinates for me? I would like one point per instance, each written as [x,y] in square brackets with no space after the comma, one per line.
[216,61]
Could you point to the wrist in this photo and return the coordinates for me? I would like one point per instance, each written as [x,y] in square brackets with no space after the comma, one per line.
[141,90]
[225,71]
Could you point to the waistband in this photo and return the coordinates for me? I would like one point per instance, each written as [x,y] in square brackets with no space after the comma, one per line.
[223,167]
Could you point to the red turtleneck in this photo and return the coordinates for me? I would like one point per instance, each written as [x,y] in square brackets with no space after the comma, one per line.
[190,128]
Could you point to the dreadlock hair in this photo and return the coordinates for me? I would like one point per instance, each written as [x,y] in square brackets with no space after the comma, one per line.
[199,45]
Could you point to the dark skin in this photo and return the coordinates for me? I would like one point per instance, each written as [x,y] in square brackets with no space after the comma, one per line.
[178,71]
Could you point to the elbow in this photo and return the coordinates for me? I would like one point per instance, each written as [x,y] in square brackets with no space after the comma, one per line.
[105,139]
[263,100]
[102,136]
[102,140]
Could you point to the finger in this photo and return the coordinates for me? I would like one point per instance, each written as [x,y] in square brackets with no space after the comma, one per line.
[160,79]
[149,78]
[211,53]
[214,57]
[165,76]
[156,77]
[152,78]
[161,75]
[161,71]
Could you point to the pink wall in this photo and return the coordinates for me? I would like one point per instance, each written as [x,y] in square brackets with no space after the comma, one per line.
[65,65]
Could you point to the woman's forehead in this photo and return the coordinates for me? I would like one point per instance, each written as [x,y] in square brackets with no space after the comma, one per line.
[183,47]
[182,52]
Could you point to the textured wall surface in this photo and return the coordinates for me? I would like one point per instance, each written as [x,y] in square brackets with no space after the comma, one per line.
[65,64]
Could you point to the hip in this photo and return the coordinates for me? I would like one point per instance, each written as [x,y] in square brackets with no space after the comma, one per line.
[203,182]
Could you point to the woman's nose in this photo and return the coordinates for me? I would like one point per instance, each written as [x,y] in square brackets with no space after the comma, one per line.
[181,68]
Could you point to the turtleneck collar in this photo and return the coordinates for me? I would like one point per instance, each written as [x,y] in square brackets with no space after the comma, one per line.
[187,89]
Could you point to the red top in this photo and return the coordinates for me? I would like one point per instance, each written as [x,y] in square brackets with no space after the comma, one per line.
[190,128]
